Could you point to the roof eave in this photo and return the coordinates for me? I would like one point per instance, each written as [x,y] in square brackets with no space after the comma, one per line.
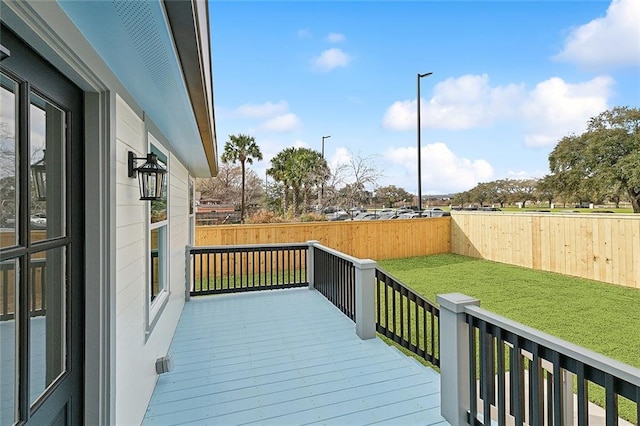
[189,25]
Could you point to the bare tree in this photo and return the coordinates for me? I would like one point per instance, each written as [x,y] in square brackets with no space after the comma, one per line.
[358,176]
[227,185]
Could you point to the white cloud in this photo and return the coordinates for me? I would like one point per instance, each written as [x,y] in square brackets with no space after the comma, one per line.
[267,109]
[330,59]
[609,41]
[442,170]
[551,110]
[304,33]
[335,38]
[340,157]
[457,103]
[523,174]
[281,123]
[555,108]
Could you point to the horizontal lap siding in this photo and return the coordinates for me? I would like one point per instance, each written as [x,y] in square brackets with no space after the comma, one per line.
[135,352]
[599,247]
[379,239]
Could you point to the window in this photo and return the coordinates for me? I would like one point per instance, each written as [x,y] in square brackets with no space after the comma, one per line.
[192,219]
[158,282]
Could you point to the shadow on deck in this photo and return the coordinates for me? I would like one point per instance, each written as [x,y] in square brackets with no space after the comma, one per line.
[286,357]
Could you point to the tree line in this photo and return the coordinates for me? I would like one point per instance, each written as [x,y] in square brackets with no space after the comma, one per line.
[601,164]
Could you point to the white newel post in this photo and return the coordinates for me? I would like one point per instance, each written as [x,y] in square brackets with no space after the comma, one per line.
[311,263]
[188,285]
[454,357]
[365,299]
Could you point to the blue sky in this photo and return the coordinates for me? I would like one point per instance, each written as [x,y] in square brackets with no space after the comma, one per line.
[510,78]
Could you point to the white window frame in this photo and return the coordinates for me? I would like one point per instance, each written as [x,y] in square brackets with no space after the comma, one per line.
[192,212]
[155,307]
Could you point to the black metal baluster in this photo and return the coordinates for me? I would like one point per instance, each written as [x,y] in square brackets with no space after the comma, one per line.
[409,321]
[288,267]
[486,367]
[611,405]
[537,389]
[253,268]
[517,383]
[558,391]
[473,395]
[386,306]
[549,398]
[271,267]
[401,314]
[218,271]
[241,255]
[583,395]
[502,409]
[433,333]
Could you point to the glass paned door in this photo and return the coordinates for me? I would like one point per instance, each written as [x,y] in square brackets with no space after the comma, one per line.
[41,241]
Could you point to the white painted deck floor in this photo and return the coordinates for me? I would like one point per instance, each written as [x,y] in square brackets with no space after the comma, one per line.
[286,357]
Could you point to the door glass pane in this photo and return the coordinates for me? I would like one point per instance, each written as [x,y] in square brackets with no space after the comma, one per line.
[47,314]
[8,282]
[8,164]
[47,137]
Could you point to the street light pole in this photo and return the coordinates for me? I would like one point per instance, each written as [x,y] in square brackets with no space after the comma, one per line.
[322,185]
[323,138]
[419,144]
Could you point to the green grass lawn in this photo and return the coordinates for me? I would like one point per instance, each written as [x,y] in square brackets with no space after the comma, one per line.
[602,317]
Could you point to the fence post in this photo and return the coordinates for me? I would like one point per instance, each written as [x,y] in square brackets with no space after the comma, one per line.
[365,298]
[454,357]
[311,263]
[187,274]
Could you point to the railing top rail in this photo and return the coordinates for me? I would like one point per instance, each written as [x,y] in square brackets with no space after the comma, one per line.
[416,293]
[238,247]
[354,260]
[607,365]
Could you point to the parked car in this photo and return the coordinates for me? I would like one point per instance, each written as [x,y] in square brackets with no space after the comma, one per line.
[338,215]
[366,216]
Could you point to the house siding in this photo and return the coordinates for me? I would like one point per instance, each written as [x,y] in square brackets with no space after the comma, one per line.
[135,351]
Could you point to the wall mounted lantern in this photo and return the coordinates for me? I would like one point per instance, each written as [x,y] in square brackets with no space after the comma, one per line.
[39,174]
[151,176]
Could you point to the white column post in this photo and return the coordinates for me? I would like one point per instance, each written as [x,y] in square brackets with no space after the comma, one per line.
[365,299]
[311,263]
[188,285]
[454,357]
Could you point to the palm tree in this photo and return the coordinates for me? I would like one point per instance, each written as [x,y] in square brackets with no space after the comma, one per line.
[299,169]
[242,149]
[281,170]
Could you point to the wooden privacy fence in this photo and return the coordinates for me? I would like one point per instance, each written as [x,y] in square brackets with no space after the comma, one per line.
[594,246]
[376,239]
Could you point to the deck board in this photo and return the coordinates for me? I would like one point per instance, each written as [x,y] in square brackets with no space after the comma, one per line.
[286,357]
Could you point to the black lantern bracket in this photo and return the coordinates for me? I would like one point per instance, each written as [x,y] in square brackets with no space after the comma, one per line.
[151,175]
[131,164]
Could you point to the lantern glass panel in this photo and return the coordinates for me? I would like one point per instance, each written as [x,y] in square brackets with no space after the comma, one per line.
[157,184]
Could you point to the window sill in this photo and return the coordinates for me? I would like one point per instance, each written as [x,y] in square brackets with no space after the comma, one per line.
[155,311]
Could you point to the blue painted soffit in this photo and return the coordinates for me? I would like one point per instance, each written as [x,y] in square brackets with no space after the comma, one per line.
[134,40]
